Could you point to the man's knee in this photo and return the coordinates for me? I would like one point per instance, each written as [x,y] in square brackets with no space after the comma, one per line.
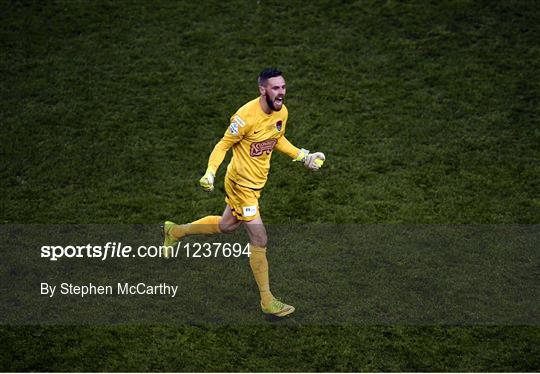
[257,232]
[259,239]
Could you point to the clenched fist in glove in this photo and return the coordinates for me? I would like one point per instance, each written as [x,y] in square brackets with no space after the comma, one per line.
[313,161]
[207,181]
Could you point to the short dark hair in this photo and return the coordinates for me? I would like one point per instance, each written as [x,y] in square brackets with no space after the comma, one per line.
[267,74]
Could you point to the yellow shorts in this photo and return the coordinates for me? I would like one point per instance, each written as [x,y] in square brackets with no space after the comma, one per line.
[244,201]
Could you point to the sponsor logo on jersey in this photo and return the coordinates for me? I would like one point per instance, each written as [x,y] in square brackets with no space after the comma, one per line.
[279,124]
[233,128]
[257,149]
[238,120]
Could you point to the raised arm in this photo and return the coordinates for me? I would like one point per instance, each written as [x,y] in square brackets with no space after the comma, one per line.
[285,146]
[312,161]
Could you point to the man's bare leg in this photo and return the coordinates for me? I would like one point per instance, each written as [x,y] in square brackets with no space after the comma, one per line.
[228,222]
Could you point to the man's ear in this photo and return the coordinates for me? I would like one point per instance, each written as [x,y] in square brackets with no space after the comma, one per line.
[262,90]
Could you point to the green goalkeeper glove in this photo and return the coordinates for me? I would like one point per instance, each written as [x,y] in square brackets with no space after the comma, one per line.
[312,161]
[207,181]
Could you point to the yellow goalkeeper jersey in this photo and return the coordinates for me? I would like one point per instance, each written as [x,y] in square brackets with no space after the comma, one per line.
[253,135]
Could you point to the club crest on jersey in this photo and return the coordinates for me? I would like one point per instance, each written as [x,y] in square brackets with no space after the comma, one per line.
[279,125]
[257,149]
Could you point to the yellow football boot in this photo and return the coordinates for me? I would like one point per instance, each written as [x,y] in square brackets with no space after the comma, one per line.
[277,309]
[168,240]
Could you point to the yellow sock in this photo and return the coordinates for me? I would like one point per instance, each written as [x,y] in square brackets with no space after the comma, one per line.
[259,267]
[205,225]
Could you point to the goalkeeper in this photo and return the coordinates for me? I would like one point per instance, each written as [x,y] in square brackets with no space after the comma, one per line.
[255,130]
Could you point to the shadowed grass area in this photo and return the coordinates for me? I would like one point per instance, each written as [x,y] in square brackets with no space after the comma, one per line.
[211,348]
[427,113]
